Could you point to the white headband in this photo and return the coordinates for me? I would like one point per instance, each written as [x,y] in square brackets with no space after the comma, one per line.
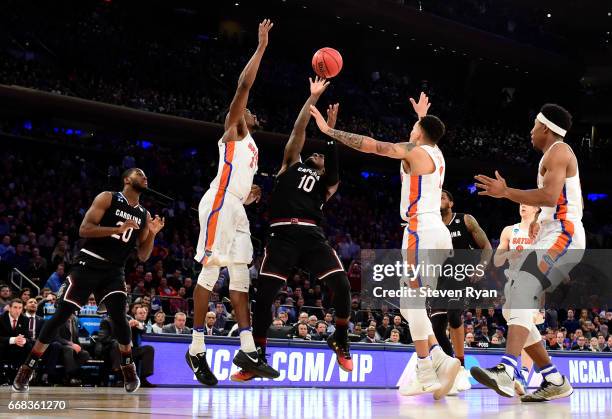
[551,125]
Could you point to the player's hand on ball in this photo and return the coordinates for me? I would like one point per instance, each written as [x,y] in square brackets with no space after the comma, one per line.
[264,28]
[156,224]
[318,86]
[534,229]
[127,225]
[495,188]
[332,115]
[422,106]
[254,195]
[319,119]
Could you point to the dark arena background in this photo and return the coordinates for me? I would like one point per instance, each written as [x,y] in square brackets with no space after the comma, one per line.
[89,89]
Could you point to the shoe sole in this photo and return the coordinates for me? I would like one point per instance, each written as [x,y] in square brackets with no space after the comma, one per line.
[560,396]
[444,390]
[249,368]
[237,380]
[15,389]
[337,359]
[485,380]
[188,360]
[135,390]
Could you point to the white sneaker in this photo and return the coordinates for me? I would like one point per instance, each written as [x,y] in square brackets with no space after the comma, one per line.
[500,378]
[446,369]
[462,382]
[426,381]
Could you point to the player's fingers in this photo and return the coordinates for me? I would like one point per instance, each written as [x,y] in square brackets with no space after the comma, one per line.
[412,101]
[485,193]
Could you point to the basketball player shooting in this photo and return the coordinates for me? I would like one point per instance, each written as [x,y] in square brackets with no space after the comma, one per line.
[558,247]
[108,227]
[225,238]
[422,171]
[296,238]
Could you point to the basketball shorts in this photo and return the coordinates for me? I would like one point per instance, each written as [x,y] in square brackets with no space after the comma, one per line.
[305,247]
[90,275]
[225,237]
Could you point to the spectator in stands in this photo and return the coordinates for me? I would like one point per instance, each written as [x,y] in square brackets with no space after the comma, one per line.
[35,322]
[189,287]
[160,320]
[551,341]
[165,290]
[397,325]
[394,336]
[20,259]
[499,332]
[6,249]
[6,295]
[594,345]
[37,268]
[320,331]
[302,331]
[312,323]
[483,335]
[56,279]
[384,330]
[329,321]
[24,295]
[608,347]
[178,327]
[73,355]
[284,317]
[370,336]
[571,324]
[15,341]
[580,344]
[601,341]
[495,342]
[209,325]
[357,330]
[179,303]
[588,328]
[561,340]
[46,242]
[277,323]
[469,340]
[221,314]
[143,354]
[61,254]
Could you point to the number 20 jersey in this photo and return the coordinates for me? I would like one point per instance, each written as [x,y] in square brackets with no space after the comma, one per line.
[117,248]
[299,193]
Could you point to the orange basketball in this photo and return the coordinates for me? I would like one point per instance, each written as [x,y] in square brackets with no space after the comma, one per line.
[327,63]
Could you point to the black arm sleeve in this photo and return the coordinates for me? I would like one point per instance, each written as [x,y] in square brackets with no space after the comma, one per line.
[331,163]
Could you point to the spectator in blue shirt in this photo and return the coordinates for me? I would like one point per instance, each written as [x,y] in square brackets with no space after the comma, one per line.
[55,280]
[6,250]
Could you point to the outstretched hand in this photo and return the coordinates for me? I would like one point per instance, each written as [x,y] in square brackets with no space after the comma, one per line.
[264,28]
[332,115]
[422,106]
[156,224]
[318,86]
[319,119]
[495,188]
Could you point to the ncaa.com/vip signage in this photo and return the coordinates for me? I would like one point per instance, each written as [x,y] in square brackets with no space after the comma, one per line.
[309,364]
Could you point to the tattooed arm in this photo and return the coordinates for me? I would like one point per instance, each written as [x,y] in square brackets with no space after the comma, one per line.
[363,143]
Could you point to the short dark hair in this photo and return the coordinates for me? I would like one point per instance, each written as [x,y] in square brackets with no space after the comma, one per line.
[557,115]
[433,127]
[127,173]
[16,301]
[449,195]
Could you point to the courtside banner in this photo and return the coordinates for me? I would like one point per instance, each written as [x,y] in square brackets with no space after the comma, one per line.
[312,364]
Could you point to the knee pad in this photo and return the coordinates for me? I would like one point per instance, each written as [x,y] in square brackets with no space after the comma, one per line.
[534,337]
[519,317]
[239,277]
[454,318]
[418,322]
[208,277]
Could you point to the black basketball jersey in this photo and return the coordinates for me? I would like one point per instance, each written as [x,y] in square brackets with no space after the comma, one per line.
[117,248]
[299,192]
[462,238]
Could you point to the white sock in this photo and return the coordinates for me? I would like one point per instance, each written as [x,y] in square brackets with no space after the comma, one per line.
[556,378]
[247,344]
[197,343]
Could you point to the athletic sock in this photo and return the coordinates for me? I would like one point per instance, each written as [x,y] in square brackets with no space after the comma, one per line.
[341,332]
[197,341]
[550,374]
[511,362]
[247,344]
[126,357]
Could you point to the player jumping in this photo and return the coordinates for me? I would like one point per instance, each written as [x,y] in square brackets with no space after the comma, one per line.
[108,226]
[426,240]
[225,238]
[558,247]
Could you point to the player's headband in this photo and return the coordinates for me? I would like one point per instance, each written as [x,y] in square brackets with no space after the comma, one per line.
[551,125]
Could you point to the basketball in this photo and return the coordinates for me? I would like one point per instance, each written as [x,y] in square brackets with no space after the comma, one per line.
[327,63]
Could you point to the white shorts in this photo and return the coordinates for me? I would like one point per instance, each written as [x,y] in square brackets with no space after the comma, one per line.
[225,237]
[427,242]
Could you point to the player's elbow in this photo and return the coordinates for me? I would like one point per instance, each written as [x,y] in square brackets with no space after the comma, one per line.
[549,199]
[84,231]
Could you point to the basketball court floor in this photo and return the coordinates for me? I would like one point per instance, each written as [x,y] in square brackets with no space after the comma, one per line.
[289,403]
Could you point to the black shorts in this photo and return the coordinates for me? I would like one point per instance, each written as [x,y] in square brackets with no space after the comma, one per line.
[91,276]
[305,247]
[445,283]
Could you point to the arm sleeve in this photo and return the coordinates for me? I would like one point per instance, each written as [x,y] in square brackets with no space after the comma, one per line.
[331,163]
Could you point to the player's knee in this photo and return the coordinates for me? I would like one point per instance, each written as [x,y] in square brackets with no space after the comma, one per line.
[239,278]
[454,318]
[208,277]
[520,317]
[61,315]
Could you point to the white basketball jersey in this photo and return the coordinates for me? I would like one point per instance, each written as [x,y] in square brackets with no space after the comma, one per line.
[237,167]
[422,194]
[569,203]
[519,242]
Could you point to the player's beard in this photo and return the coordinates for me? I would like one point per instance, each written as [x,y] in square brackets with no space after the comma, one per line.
[138,188]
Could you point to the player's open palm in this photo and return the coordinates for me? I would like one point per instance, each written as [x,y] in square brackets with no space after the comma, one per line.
[422,106]
[156,224]
[332,115]
[264,28]
[495,188]
[318,86]
[319,119]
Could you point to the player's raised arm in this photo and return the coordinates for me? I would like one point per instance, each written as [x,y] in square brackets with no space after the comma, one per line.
[363,143]
[556,166]
[298,134]
[247,77]
[90,227]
